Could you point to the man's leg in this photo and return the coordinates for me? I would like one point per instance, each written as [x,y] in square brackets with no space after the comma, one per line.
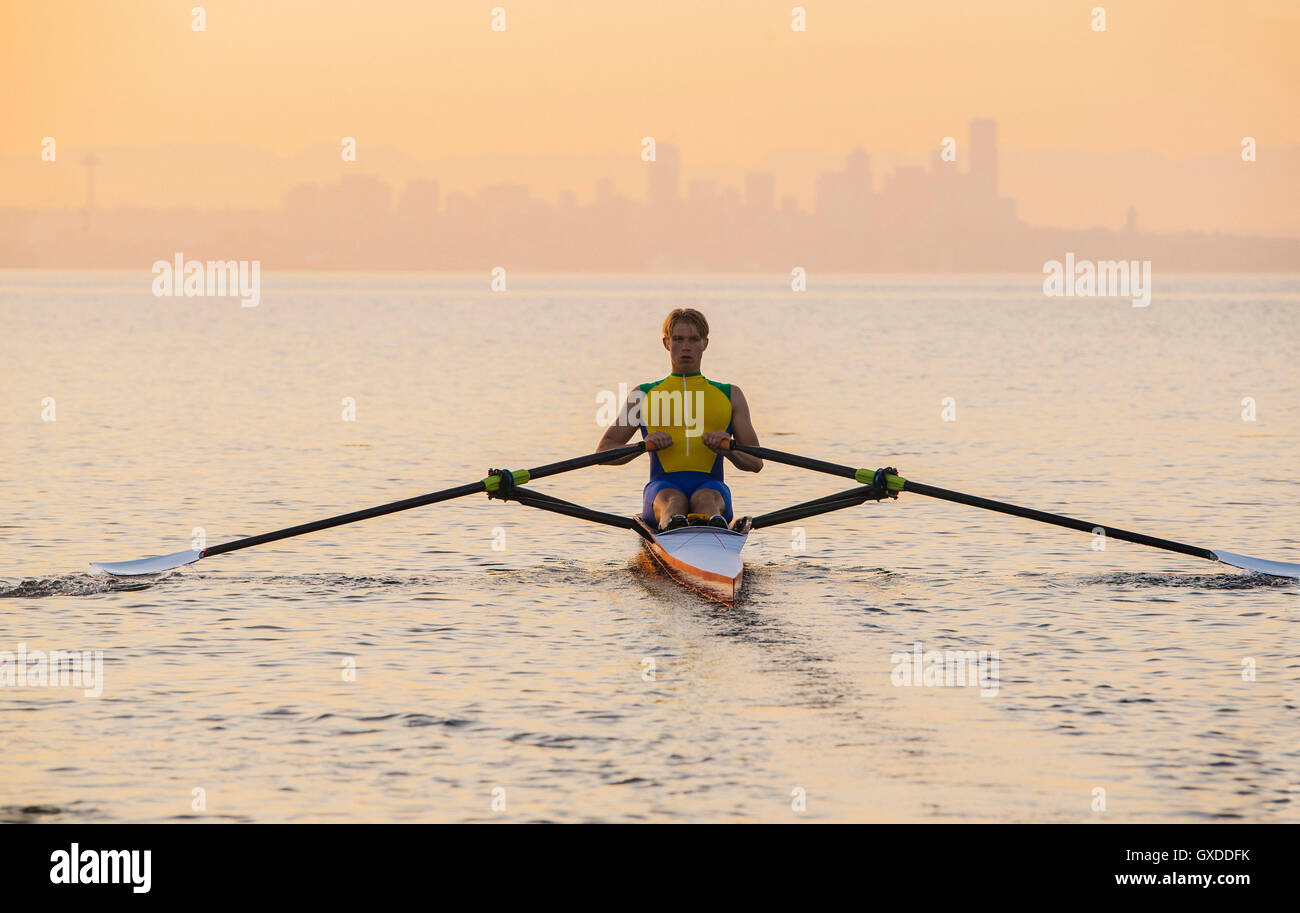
[712,498]
[667,503]
[707,501]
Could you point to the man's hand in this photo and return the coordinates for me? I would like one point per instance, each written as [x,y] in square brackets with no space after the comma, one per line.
[715,439]
[660,440]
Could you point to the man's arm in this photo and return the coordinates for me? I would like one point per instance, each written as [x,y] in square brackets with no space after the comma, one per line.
[616,435]
[742,429]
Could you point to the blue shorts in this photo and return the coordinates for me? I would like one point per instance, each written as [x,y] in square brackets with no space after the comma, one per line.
[688,483]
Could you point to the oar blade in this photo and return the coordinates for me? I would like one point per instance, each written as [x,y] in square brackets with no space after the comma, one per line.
[155,565]
[1259,565]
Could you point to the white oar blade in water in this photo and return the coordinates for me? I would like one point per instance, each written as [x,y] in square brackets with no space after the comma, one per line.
[1259,565]
[148,565]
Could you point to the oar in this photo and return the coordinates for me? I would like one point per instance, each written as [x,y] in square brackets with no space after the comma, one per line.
[491,483]
[898,483]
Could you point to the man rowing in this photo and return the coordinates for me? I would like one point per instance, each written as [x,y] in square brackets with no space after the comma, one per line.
[687,419]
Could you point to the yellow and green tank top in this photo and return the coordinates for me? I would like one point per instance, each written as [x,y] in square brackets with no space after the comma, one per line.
[685,406]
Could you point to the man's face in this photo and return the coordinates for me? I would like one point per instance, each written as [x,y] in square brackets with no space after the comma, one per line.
[686,346]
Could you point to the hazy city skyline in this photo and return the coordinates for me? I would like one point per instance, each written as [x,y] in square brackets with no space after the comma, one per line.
[1069,188]
[946,217]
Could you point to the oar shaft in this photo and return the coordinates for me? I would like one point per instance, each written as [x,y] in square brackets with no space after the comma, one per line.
[778,456]
[1056,519]
[838,501]
[591,459]
[303,528]
[393,507]
[864,476]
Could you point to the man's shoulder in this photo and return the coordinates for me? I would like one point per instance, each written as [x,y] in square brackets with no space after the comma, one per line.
[725,388]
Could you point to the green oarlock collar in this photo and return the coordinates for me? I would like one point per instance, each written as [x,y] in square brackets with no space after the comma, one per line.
[493,482]
[866,476]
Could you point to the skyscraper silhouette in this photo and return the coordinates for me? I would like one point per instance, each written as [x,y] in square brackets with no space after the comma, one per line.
[760,192]
[984,157]
[662,193]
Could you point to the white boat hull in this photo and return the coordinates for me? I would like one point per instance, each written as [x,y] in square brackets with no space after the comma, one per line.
[704,558]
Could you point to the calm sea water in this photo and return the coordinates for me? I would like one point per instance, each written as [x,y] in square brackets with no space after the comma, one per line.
[505,655]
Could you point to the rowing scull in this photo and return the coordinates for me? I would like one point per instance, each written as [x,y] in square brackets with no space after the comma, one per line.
[704,558]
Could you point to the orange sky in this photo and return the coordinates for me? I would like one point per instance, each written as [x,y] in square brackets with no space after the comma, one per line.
[573,83]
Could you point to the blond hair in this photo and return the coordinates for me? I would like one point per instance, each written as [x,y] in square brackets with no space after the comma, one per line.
[686,315]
